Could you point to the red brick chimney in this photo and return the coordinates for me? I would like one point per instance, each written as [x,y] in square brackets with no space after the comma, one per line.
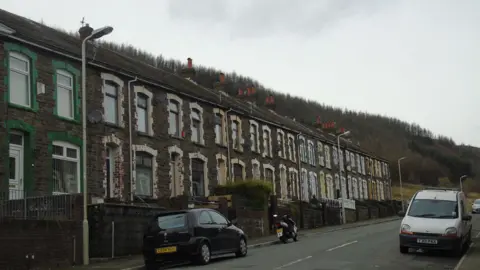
[220,84]
[189,71]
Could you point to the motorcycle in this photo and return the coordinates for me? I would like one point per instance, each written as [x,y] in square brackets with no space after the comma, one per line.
[283,230]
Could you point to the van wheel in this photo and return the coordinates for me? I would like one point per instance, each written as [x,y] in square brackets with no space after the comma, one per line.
[242,248]
[204,254]
[403,250]
[458,250]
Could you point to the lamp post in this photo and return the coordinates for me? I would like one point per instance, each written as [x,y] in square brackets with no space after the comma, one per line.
[400,179]
[344,218]
[461,179]
[96,34]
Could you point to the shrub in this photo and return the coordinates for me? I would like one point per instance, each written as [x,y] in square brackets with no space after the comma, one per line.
[255,192]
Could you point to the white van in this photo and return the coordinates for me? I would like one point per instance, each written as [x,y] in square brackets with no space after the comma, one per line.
[436,219]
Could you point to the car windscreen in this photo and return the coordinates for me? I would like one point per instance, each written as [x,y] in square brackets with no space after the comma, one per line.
[428,208]
[172,221]
[477,201]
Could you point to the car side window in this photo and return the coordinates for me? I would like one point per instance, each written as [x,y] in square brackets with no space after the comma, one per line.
[204,218]
[218,219]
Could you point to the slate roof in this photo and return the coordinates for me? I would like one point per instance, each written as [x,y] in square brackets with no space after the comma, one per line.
[64,43]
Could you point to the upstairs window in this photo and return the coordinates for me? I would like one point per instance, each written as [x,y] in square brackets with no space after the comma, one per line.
[267,142]
[236,136]
[196,126]
[218,119]
[111,102]
[303,150]
[255,147]
[20,80]
[65,94]
[174,118]
[142,112]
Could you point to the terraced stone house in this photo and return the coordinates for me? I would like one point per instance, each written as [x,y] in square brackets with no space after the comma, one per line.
[152,133]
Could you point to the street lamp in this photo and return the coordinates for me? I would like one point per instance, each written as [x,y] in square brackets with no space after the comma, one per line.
[400,179]
[344,218]
[461,179]
[96,34]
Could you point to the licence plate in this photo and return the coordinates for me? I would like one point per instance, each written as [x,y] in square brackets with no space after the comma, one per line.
[166,250]
[427,241]
[279,232]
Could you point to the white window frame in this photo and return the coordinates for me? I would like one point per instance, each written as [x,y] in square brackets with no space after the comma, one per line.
[206,181]
[328,157]
[149,116]
[255,125]
[114,80]
[256,175]
[283,181]
[282,153]
[242,164]
[303,149]
[196,107]
[24,58]
[321,154]
[269,167]
[222,140]
[239,145]
[70,88]
[294,182]
[174,100]
[304,184]
[153,153]
[311,153]
[292,149]
[267,141]
[64,157]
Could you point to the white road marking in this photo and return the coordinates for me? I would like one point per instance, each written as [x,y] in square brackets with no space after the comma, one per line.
[294,262]
[344,245]
[134,268]
[463,257]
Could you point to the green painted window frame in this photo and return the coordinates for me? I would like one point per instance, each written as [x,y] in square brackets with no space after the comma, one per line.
[65,67]
[12,47]
[68,138]
[28,155]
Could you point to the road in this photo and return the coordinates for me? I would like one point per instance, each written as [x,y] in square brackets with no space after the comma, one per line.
[370,247]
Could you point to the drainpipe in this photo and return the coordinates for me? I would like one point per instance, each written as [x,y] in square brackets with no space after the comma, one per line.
[229,159]
[300,178]
[130,128]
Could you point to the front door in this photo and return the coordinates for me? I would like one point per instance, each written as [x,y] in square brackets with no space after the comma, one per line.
[16,167]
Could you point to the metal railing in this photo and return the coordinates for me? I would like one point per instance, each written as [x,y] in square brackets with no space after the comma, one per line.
[20,204]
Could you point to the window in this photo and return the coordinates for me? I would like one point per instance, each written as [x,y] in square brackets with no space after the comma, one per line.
[328,162]
[335,155]
[235,135]
[174,115]
[196,126]
[110,168]
[171,221]
[281,143]
[283,182]
[142,112]
[238,172]
[269,175]
[347,160]
[111,102]
[65,94]
[303,150]
[204,218]
[218,118]
[304,184]
[20,80]
[198,177]
[321,158]
[359,163]
[256,170]
[311,153]
[221,171]
[427,208]
[217,218]
[291,147]
[66,168]
[254,137]
[267,142]
[144,174]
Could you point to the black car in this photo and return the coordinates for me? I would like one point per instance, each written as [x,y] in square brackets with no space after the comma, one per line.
[194,234]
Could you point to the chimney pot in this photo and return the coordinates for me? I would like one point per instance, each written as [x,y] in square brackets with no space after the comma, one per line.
[85,31]
[189,62]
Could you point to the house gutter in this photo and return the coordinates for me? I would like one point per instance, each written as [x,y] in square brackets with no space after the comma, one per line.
[130,132]
[166,87]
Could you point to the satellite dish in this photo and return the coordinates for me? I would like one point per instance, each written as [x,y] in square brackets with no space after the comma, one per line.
[95,117]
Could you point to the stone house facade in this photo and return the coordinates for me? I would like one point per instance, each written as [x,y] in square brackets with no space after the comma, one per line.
[152,134]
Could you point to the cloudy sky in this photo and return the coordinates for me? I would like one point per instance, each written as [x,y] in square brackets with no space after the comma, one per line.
[412,59]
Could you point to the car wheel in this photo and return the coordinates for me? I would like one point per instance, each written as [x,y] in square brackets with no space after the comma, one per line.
[242,249]
[403,250]
[204,255]
[149,265]
[458,250]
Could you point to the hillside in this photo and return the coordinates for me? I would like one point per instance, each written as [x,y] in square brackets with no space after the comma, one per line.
[429,157]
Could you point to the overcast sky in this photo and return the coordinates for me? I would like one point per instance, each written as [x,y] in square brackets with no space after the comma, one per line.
[417,60]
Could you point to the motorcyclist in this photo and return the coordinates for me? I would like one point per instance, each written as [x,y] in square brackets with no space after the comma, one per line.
[287,219]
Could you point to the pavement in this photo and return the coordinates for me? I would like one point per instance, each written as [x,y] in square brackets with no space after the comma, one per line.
[471,259]
[358,246]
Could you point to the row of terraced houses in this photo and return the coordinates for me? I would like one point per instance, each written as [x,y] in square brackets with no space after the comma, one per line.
[151,133]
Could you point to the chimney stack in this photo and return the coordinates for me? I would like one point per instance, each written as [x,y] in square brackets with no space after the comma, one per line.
[189,71]
[220,85]
[85,31]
